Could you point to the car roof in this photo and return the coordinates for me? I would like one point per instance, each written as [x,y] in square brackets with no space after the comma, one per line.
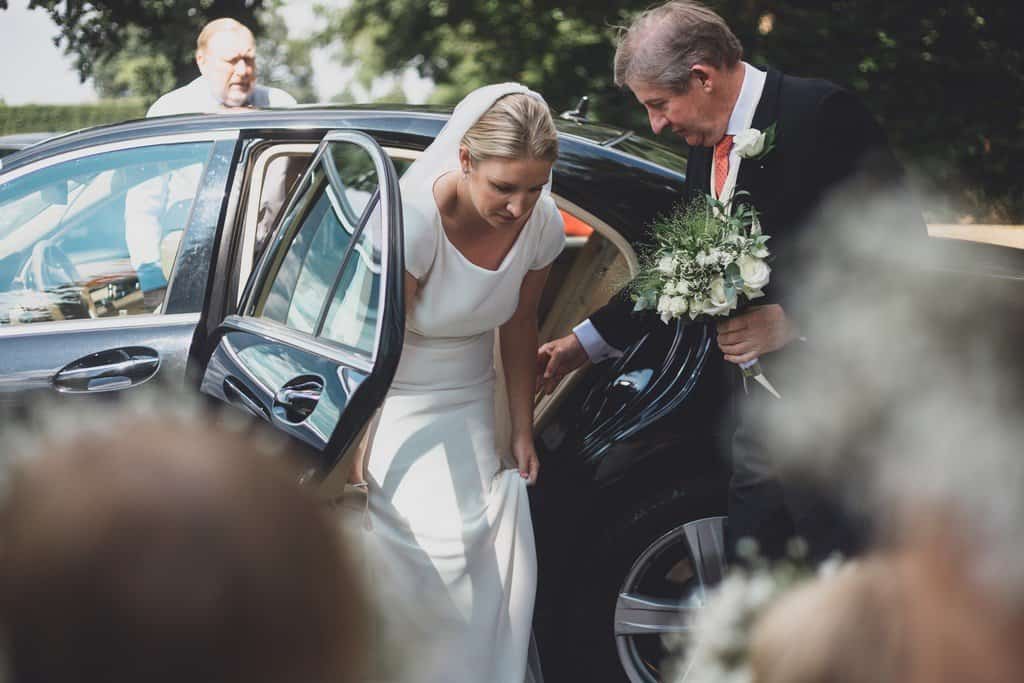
[416,120]
[20,140]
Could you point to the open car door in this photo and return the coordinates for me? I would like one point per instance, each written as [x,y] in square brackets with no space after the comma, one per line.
[319,329]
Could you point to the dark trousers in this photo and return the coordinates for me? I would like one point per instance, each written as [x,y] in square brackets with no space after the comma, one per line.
[766,503]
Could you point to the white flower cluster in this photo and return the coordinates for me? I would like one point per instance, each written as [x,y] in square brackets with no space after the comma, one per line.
[719,642]
[718,649]
[707,271]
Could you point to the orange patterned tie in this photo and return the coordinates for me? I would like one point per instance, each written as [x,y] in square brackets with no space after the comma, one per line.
[722,150]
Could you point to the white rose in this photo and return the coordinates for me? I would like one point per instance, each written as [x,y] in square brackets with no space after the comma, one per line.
[682,287]
[718,303]
[754,272]
[666,265]
[679,305]
[749,143]
[665,308]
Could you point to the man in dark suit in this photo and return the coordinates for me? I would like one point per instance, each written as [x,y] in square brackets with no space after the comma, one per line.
[684,65]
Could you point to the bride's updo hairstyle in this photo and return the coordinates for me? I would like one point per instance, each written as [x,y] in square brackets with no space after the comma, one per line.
[517,126]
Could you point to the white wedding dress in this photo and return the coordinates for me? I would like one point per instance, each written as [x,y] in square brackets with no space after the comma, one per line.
[451,544]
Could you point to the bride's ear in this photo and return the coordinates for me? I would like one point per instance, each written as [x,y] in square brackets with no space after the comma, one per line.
[465,161]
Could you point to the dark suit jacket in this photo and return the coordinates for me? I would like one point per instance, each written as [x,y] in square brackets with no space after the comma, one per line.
[829,155]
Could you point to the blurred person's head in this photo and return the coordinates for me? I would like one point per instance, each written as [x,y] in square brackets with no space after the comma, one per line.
[842,628]
[506,159]
[226,56]
[170,550]
[682,62]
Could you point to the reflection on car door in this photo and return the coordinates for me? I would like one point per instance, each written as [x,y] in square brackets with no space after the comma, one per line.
[74,252]
[318,332]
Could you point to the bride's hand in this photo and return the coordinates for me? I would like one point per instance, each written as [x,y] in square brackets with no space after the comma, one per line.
[526,460]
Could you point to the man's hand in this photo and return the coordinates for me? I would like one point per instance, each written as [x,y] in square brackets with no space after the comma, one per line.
[755,332]
[556,359]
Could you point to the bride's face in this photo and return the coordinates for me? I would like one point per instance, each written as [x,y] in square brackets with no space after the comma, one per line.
[504,191]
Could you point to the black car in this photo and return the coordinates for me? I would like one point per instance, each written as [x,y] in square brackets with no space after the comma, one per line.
[198,203]
[9,144]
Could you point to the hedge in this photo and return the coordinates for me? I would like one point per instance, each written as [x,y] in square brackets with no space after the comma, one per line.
[59,118]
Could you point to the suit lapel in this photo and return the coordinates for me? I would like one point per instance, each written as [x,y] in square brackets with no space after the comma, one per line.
[698,172]
[752,176]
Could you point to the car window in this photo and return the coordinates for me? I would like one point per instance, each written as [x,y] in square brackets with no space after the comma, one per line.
[652,151]
[96,236]
[327,283]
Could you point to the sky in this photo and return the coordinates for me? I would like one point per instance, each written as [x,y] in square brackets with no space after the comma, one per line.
[36,71]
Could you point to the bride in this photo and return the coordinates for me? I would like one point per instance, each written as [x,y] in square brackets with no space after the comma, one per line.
[451,542]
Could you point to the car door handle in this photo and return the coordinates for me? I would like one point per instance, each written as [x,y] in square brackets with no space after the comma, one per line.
[297,399]
[108,370]
[239,395]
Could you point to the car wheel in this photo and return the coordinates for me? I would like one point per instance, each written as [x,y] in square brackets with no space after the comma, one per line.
[645,580]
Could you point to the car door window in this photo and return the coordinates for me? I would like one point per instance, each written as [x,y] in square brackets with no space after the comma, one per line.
[319,330]
[96,236]
[328,282]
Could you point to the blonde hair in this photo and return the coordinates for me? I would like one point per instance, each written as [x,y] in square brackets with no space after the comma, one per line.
[517,126]
[216,26]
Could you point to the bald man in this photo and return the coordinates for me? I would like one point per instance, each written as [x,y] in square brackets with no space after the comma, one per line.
[226,56]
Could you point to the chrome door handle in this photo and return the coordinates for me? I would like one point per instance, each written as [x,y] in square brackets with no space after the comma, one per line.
[297,400]
[108,370]
[293,397]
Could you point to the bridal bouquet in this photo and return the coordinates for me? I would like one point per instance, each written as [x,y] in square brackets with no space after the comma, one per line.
[708,259]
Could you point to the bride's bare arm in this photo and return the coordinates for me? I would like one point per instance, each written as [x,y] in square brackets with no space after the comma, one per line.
[519,357]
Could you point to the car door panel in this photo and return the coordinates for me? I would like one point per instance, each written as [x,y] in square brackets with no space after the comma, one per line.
[32,358]
[96,340]
[249,370]
[285,357]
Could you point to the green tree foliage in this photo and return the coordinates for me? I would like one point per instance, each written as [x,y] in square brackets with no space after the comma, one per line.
[59,118]
[135,71]
[563,48]
[145,48]
[945,78]
[96,31]
[284,62]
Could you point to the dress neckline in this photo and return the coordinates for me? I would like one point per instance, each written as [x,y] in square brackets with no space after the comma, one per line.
[444,234]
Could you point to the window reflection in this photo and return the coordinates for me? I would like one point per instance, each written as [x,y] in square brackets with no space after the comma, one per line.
[330,273]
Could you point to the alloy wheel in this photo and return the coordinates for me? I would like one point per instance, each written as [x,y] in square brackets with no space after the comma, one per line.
[661,593]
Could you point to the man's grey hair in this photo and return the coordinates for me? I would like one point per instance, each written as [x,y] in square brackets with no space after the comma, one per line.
[662,44]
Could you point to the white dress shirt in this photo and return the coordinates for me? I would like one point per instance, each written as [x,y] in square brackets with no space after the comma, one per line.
[197,98]
[742,115]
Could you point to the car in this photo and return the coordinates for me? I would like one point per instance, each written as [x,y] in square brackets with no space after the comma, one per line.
[241,212]
[9,144]
[234,248]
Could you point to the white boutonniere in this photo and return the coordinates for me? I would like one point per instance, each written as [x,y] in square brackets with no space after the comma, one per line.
[754,144]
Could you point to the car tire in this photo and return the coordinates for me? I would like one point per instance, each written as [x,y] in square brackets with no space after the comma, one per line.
[648,533]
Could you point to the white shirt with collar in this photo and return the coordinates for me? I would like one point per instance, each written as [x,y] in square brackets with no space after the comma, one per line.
[197,98]
[742,116]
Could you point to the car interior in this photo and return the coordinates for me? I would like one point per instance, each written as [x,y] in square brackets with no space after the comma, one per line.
[65,251]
